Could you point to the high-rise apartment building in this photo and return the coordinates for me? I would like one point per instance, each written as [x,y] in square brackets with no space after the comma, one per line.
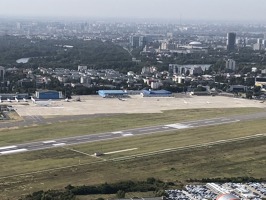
[134,41]
[138,41]
[231,41]
[2,74]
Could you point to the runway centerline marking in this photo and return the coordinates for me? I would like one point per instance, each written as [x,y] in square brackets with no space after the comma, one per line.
[79,139]
[13,151]
[36,145]
[150,129]
[101,136]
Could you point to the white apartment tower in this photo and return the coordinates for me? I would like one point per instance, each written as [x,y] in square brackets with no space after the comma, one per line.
[231,64]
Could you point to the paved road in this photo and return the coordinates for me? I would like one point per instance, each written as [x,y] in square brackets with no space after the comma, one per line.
[32,146]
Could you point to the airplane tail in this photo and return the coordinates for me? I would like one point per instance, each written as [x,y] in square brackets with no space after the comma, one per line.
[33,100]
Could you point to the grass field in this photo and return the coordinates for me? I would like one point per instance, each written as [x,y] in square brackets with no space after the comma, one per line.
[242,158]
[246,158]
[114,123]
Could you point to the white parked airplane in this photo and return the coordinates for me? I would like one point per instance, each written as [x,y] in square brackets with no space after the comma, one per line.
[32,99]
[41,103]
[8,100]
[25,100]
[16,99]
[122,99]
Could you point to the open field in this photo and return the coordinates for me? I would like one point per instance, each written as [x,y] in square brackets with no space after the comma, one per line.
[239,158]
[114,123]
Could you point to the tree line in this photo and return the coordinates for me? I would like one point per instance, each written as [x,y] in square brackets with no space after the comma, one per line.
[120,189]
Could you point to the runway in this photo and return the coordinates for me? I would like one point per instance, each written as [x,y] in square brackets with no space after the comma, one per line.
[40,145]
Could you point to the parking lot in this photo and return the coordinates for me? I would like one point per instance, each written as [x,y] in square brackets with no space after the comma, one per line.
[252,191]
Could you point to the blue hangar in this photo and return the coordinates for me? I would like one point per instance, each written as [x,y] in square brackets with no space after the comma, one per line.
[48,94]
[112,93]
[155,93]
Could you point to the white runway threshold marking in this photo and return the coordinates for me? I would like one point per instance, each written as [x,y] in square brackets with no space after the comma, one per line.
[127,134]
[13,151]
[178,126]
[124,150]
[7,147]
[117,132]
[59,144]
[49,141]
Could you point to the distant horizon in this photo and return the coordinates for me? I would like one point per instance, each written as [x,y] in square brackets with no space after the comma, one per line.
[192,10]
[131,19]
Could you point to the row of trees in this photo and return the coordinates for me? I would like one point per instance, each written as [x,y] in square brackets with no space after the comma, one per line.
[120,189]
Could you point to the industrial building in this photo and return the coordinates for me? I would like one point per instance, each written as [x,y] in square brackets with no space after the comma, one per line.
[48,94]
[155,93]
[112,93]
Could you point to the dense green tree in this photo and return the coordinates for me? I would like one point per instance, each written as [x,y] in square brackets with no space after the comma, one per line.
[120,194]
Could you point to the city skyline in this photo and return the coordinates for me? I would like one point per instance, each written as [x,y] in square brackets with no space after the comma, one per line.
[208,10]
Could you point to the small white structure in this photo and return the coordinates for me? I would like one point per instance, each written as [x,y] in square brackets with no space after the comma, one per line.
[82,68]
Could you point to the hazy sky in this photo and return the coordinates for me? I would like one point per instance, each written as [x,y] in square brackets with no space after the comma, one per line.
[167,9]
